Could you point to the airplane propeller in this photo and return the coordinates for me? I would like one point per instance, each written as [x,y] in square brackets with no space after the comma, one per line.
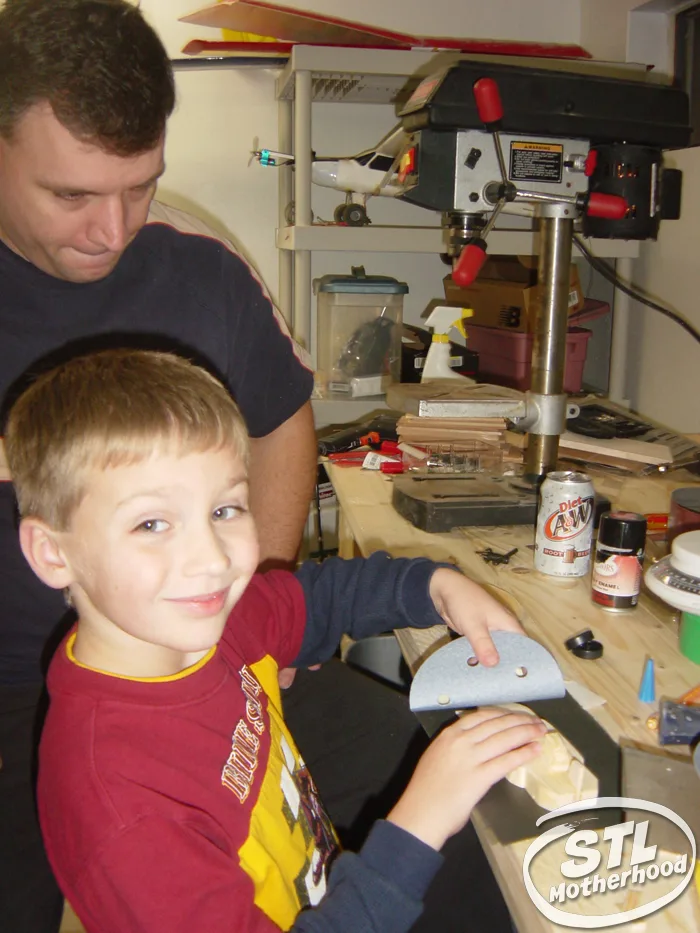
[255,151]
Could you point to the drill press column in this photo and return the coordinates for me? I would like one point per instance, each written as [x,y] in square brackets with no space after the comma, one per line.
[549,344]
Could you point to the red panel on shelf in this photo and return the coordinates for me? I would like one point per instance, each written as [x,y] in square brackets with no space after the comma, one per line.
[302,26]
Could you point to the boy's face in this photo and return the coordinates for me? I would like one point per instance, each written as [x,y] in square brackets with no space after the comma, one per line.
[161,551]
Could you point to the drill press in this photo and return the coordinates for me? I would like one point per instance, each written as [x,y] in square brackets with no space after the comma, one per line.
[573,150]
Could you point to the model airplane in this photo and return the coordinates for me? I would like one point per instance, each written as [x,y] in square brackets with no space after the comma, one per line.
[370,173]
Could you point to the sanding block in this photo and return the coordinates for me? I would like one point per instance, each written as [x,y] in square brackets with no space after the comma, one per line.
[452,678]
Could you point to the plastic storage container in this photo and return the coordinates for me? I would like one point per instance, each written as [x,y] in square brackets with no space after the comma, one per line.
[505,357]
[359,323]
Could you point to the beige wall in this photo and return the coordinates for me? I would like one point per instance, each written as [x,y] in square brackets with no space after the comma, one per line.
[603,25]
[664,362]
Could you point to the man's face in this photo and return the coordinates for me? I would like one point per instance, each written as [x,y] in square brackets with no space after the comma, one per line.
[160,552]
[66,205]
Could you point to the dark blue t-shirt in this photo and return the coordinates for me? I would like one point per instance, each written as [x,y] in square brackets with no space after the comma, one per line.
[183,292]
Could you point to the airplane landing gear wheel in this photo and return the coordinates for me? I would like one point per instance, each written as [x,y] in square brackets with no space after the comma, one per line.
[354,215]
[338,213]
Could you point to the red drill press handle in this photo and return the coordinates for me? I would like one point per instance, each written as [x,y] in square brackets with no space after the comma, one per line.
[488,102]
[470,263]
[610,206]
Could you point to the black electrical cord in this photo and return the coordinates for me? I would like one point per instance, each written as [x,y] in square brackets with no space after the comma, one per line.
[609,273]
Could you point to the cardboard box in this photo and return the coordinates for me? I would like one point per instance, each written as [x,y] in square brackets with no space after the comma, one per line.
[505,293]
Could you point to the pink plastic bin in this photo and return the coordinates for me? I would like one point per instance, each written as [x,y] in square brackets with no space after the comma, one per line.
[505,357]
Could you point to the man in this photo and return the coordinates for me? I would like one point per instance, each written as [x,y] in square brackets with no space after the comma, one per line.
[85,93]
[88,261]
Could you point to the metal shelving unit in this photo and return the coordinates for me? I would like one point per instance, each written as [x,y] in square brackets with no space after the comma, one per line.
[324,74]
[406,239]
[342,75]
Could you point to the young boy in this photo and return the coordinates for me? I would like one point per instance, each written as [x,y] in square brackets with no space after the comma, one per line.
[171,795]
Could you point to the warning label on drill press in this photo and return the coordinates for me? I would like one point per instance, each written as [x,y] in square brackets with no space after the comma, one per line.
[536,161]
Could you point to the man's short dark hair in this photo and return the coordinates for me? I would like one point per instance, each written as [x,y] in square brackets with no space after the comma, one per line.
[98,63]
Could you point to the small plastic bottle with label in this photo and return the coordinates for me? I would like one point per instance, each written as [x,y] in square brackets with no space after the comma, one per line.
[619,556]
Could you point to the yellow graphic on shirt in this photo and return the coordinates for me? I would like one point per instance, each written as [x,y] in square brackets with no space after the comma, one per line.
[290,838]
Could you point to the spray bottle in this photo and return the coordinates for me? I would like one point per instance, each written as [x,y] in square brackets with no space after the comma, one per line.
[437,363]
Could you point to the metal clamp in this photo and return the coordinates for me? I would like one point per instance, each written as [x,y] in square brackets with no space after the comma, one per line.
[547,414]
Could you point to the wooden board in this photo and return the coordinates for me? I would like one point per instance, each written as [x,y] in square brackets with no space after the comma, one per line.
[622,448]
[221,47]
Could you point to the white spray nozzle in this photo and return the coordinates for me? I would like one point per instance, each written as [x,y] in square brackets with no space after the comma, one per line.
[444,317]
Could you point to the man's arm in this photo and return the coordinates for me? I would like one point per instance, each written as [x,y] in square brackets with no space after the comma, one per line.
[282,479]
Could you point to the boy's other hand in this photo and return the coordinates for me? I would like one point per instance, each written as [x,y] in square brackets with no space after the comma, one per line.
[468,609]
[462,763]
[286,675]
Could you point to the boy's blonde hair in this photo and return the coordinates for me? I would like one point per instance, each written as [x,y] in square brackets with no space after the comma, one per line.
[109,409]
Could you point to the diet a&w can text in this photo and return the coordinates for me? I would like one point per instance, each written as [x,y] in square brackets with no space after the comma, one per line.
[564,525]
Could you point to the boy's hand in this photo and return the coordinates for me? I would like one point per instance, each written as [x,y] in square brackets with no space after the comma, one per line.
[287,674]
[468,609]
[463,762]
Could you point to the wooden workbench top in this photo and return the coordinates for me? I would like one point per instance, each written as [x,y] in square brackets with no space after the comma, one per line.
[551,610]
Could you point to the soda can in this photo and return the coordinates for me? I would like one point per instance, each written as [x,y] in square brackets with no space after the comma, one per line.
[565,525]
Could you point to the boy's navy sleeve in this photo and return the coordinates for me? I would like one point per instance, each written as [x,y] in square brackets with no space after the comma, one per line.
[380,890]
[362,597]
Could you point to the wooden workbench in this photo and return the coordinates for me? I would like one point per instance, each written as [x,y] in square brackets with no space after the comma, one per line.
[551,610]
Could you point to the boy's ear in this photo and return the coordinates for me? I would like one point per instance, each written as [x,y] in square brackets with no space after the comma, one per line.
[40,545]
